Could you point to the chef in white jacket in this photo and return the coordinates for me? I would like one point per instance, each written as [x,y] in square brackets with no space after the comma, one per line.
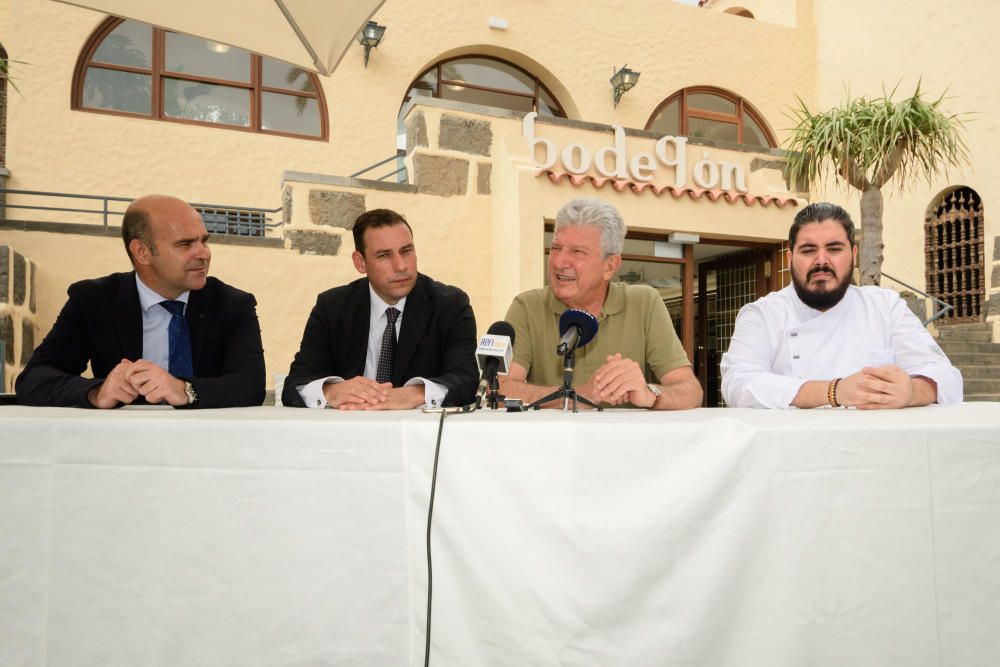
[822,341]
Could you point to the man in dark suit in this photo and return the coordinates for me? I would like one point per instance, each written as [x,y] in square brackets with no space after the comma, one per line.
[393,340]
[164,333]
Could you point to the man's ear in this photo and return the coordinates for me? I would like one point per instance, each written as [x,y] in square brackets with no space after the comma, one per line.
[140,252]
[359,262]
[611,266]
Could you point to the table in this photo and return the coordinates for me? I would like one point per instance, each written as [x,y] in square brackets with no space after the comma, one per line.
[267,536]
[255,536]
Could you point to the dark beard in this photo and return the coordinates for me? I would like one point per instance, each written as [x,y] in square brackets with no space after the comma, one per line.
[825,299]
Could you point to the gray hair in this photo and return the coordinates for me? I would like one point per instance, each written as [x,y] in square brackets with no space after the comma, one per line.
[595,213]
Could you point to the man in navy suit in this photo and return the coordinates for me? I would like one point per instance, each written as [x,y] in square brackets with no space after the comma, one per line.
[393,340]
[163,333]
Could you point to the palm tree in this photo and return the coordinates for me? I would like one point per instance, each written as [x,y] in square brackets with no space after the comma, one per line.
[868,143]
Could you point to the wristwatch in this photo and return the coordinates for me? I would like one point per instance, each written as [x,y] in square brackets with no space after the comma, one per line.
[657,392]
[191,393]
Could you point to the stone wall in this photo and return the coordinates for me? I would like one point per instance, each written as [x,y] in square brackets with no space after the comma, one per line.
[992,307]
[320,227]
[18,322]
[444,163]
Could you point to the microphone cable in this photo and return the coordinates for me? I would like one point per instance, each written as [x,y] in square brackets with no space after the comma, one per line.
[430,513]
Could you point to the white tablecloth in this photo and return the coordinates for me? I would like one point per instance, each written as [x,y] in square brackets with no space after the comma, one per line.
[258,536]
[268,536]
[713,537]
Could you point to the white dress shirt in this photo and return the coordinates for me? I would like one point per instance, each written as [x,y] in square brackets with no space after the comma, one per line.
[155,320]
[434,393]
[781,343]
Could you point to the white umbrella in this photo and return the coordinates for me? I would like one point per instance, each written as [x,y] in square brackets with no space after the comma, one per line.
[313,34]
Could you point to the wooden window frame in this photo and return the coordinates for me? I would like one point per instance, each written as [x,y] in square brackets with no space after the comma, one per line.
[158,72]
[743,109]
[436,68]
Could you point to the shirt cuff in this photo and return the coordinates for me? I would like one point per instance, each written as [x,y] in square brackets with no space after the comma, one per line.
[434,393]
[950,385]
[769,390]
[312,393]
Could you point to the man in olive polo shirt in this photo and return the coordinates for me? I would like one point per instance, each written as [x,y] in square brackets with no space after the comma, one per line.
[635,360]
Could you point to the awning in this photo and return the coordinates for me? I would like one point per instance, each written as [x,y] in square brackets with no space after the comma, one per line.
[311,34]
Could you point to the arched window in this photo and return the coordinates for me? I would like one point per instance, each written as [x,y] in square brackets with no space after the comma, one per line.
[488,81]
[134,69]
[953,245]
[711,113]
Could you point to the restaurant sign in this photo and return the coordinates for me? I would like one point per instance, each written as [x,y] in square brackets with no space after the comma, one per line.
[615,162]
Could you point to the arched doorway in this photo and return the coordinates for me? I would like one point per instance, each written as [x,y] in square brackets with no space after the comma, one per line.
[953,246]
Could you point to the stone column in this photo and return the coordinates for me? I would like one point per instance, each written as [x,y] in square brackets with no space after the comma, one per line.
[18,323]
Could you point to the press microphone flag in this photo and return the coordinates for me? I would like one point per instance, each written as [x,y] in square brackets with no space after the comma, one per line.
[577,328]
[494,355]
[498,344]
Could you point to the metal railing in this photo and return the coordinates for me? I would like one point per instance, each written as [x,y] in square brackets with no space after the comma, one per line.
[945,307]
[401,170]
[218,218]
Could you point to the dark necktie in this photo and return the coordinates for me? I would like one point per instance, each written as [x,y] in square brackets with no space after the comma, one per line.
[385,355]
[181,365]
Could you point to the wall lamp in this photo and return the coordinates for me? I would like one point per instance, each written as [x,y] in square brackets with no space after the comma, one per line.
[621,81]
[370,37]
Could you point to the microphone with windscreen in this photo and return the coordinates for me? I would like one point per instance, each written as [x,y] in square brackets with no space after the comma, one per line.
[494,356]
[577,328]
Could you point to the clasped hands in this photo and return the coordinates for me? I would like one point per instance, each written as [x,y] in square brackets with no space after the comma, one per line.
[361,393]
[131,379]
[618,380]
[874,388]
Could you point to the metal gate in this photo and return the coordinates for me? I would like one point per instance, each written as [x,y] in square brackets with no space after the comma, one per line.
[953,245]
[725,285]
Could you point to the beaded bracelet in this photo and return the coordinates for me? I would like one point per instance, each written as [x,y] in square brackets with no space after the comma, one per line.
[831,393]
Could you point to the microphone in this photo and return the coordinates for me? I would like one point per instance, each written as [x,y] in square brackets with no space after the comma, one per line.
[578,327]
[494,355]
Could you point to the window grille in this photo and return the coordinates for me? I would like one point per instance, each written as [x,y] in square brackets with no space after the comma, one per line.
[953,244]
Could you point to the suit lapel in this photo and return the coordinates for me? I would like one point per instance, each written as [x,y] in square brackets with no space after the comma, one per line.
[356,324]
[200,303]
[416,317]
[128,318]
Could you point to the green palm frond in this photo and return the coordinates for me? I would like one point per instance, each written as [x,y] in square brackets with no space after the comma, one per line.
[870,142]
[7,69]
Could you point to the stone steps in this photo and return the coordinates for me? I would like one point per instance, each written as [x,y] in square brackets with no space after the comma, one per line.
[967,326]
[966,347]
[971,348]
[982,386]
[972,372]
[968,359]
[978,398]
[969,335]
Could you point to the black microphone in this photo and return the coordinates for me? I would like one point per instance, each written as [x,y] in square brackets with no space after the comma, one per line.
[493,354]
[578,327]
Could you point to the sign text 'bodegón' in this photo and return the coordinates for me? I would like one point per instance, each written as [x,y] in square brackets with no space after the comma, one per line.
[669,151]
